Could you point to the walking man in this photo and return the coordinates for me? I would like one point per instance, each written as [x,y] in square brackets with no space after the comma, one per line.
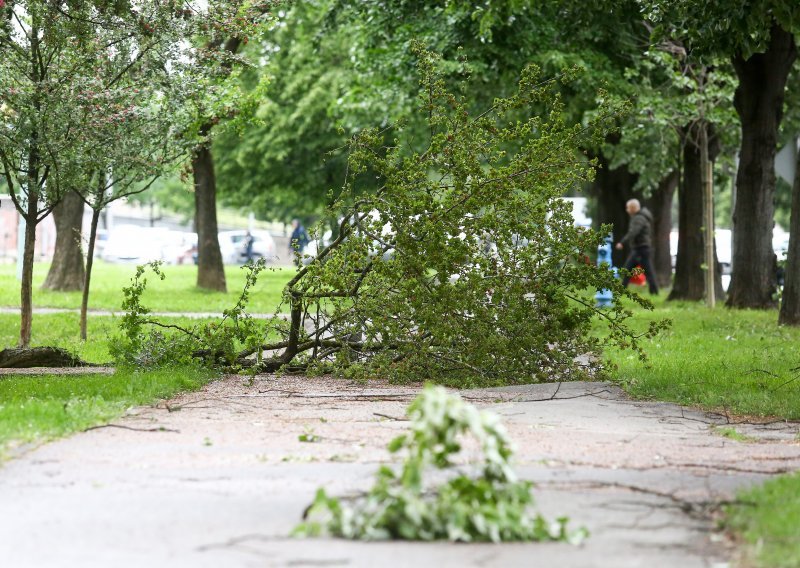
[639,239]
[248,246]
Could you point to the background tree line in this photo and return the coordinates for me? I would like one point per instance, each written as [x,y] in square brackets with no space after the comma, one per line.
[280,87]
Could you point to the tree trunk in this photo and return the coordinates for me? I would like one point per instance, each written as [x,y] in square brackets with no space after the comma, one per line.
[66,273]
[31,206]
[613,188]
[709,244]
[210,270]
[88,276]
[759,104]
[689,283]
[660,204]
[39,357]
[26,288]
[790,300]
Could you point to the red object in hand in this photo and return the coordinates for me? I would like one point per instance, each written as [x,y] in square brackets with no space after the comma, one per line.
[638,279]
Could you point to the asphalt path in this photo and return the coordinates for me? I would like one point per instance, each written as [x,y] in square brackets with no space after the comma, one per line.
[219,477]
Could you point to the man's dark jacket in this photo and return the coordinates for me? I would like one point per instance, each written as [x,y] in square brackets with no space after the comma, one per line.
[639,229]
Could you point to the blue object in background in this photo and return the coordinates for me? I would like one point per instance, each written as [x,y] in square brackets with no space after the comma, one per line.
[604,298]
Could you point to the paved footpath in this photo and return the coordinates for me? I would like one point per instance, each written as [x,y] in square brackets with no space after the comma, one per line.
[218,478]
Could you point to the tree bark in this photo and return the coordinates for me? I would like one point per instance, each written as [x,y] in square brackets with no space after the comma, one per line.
[26,287]
[689,283]
[210,269]
[660,203]
[709,245]
[66,273]
[759,104]
[39,357]
[790,300]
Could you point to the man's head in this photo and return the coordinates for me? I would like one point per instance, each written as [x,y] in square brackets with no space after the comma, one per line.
[633,206]
[295,223]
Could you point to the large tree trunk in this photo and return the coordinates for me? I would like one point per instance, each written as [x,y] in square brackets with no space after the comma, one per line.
[660,203]
[689,283]
[790,300]
[210,270]
[759,104]
[66,273]
[613,188]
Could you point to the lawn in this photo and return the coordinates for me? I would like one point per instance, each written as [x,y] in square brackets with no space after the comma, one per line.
[767,518]
[35,408]
[177,293]
[62,330]
[735,361]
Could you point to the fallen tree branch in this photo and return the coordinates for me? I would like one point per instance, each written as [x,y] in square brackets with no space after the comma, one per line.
[122,427]
[395,418]
[553,396]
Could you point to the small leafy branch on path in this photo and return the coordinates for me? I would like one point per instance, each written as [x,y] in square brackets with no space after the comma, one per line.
[493,506]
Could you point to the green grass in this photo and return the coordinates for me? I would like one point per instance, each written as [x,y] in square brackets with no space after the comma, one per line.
[735,361]
[733,434]
[62,330]
[177,293]
[38,408]
[768,520]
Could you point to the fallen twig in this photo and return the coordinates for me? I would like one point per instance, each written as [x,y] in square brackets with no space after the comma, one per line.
[395,418]
[159,429]
[553,396]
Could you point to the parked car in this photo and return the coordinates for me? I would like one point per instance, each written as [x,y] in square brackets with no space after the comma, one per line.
[136,245]
[133,244]
[232,245]
[100,241]
[178,247]
[724,242]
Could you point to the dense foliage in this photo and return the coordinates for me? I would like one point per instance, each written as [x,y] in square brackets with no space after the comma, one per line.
[144,342]
[464,266]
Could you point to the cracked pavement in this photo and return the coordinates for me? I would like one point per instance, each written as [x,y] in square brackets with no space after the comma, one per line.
[219,477]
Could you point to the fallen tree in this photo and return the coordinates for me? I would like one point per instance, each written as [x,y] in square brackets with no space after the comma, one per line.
[464,267]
